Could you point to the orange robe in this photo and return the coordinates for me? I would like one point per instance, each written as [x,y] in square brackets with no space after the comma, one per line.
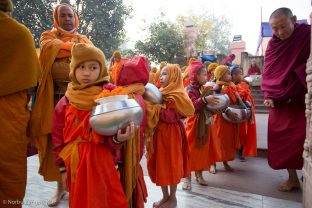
[20,70]
[115,69]
[13,148]
[157,80]
[96,182]
[248,130]
[152,78]
[169,161]
[198,156]
[225,135]
[53,45]
[209,76]
[186,77]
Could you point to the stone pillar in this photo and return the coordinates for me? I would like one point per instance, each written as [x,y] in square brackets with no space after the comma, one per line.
[244,62]
[307,154]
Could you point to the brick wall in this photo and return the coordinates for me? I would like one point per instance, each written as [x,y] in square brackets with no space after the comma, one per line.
[307,155]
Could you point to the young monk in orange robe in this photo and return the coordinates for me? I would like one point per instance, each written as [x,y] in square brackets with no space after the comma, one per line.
[152,76]
[198,127]
[247,129]
[161,65]
[168,161]
[116,65]
[55,54]
[133,80]
[210,74]
[90,172]
[20,71]
[186,76]
[225,135]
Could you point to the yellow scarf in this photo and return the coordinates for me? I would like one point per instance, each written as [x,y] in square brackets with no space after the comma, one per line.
[174,92]
[82,99]
[132,149]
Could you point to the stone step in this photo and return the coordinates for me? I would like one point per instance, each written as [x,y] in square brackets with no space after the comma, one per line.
[257,92]
[261,111]
[258,100]
[258,97]
[259,105]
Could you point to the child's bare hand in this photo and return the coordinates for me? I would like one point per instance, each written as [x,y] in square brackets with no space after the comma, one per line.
[122,137]
[233,116]
[211,100]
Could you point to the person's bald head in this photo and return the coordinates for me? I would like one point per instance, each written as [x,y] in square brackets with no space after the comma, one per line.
[282,22]
[281,11]
[66,18]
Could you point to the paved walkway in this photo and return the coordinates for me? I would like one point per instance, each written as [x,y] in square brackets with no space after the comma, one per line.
[245,188]
[262,129]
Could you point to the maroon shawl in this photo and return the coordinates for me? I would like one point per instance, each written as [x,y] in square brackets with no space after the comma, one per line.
[228,59]
[253,70]
[284,73]
[195,66]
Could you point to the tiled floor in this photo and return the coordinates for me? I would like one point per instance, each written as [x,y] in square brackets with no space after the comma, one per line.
[38,192]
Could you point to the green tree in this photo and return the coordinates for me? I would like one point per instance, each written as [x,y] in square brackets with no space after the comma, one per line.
[103,22]
[213,32]
[37,15]
[219,39]
[164,42]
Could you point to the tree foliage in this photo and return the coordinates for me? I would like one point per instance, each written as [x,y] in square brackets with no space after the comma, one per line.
[37,15]
[219,39]
[213,32]
[165,41]
[101,21]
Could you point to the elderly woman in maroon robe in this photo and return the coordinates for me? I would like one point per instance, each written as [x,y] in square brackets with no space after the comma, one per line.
[284,86]
[253,69]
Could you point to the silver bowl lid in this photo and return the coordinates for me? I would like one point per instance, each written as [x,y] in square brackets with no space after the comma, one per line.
[224,102]
[152,94]
[114,106]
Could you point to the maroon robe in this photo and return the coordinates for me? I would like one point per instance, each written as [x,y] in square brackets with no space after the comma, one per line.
[253,70]
[284,81]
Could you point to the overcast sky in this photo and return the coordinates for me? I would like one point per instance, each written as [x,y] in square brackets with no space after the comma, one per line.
[243,15]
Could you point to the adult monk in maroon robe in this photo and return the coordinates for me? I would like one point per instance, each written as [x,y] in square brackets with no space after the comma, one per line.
[253,69]
[284,86]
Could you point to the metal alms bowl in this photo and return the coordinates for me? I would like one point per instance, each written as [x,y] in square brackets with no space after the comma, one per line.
[113,98]
[209,84]
[243,113]
[249,79]
[152,94]
[224,102]
[107,118]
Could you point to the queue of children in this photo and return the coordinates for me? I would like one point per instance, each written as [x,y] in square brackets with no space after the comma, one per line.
[180,135]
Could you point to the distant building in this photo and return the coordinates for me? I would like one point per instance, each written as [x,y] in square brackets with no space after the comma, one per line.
[190,34]
[266,34]
[237,46]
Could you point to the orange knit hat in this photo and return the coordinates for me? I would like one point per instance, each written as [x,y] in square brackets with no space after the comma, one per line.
[220,71]
[212,66]
[117,54]
[82,52]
